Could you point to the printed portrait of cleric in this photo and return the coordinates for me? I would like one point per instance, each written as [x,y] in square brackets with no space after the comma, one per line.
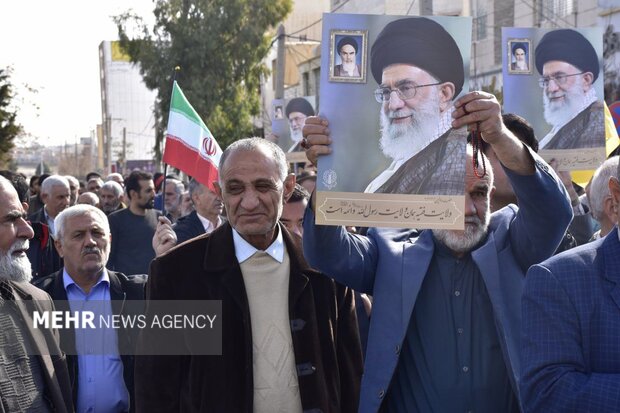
[419,69]
[297,110]
[569,66]
[348,49]
[519,58]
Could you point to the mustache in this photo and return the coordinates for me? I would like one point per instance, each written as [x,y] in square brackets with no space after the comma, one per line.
[20,244]
[400,114]
[91,250]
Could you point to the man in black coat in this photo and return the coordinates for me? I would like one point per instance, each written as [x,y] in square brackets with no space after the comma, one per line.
[289,340]
[205,218]
[83,240]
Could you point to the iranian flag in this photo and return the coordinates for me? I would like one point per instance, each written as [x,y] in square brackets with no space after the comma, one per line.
[190,146]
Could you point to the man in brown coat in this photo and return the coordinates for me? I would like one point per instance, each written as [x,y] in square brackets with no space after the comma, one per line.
[290,340]
[33,369]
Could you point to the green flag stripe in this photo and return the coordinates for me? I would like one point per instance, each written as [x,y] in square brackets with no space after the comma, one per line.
[180,104]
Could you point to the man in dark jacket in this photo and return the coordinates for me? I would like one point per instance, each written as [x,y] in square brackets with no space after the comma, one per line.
[100,382]
[290,340]
[205,218]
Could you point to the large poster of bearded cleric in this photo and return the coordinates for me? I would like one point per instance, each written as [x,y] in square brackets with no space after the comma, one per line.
[395,160]
[562,96]
[287,120]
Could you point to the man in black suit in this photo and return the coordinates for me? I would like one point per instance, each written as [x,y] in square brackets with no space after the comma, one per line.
[41,381]
[205,218]
[83,240]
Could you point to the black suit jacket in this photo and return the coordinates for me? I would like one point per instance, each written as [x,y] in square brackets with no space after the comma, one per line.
[188,227]
[122,288]
[323,328]
[53,363]
[38,216]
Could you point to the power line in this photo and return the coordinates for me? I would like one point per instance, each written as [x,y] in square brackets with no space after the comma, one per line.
[410,6]
[321,19]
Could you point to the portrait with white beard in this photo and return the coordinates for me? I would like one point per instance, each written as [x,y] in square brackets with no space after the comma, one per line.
[286,129]
[348,56]
[569,120]
[395,159]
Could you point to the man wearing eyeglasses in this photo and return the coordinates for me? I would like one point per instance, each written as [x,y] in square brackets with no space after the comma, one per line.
[419,69]
[569,66]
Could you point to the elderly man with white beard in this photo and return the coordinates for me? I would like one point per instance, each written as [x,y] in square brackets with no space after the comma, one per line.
[32,366]
[445,330]
[419,69]
[569,66]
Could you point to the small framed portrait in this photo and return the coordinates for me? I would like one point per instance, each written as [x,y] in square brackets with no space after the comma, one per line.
[519,60]
[278,113]
[347,56]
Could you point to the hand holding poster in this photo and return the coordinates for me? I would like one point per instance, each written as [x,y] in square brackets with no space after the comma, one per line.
[395,159]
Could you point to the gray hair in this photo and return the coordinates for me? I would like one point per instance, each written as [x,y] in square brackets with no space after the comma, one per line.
[251,145]
[72,180]
[89,198]
[114,175]
[194,187]
[76,210]
[52,181]
[599,188]
[113,186]
[178,185]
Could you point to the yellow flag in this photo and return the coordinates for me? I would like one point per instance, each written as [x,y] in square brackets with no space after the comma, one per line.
[611,143]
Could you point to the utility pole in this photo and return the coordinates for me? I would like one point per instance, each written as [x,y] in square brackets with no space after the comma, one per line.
[426,7]
[124,149]
[109,144]
[281,62]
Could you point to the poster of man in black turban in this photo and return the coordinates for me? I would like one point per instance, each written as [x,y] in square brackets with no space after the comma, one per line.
[348,56]
[396,161]
[286,124]
[568,84]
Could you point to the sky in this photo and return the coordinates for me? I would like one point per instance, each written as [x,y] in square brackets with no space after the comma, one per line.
[52,47]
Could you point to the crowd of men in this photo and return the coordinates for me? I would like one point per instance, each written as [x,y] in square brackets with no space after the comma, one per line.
[517,312]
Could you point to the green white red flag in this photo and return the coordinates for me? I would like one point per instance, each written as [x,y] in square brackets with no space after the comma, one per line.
[190,146]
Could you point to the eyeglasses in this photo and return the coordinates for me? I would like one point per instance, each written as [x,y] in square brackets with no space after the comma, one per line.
[559,79]
[297,119]
[404,91]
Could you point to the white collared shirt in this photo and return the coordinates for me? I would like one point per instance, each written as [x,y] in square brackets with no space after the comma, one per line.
[49,221]
[208,225]
[244,250]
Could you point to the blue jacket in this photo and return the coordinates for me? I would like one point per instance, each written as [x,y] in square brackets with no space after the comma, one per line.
[571,331]
[391,265]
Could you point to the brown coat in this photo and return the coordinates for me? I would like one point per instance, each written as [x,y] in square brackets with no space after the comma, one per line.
[46,343]
[323,326]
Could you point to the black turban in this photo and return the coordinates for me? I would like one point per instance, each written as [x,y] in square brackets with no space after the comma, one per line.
[423,43]
[518,45]
[567,46]
[299,105]
[347,40]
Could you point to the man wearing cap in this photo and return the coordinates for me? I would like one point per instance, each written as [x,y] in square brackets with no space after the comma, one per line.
[347,50]
[569,66]
[519,55]
[419,69]
[297,110]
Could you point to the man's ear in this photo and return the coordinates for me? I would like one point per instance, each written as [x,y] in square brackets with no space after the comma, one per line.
[588,78]
[58,245]
[218,188]
[289,186]
[446,94]
[614,190]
